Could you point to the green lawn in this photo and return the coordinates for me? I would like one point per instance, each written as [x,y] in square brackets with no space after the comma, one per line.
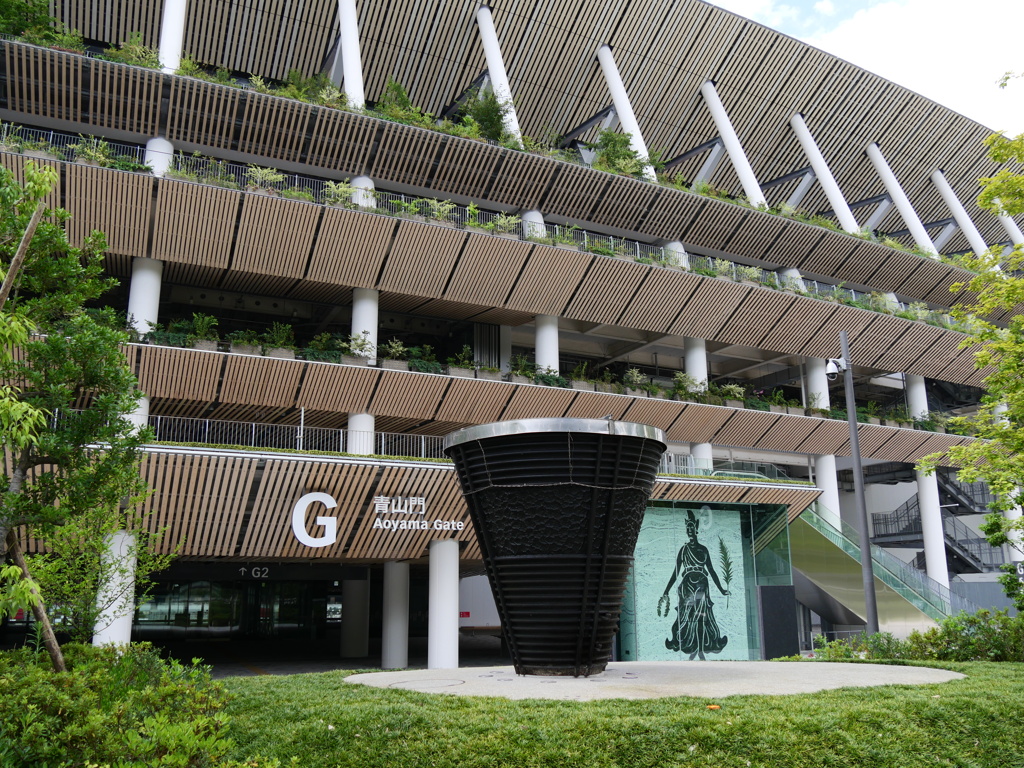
[322,721]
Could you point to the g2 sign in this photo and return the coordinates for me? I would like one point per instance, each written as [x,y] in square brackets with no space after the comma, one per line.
[329,524]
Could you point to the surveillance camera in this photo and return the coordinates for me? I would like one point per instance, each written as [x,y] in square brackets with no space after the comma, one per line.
[833,366]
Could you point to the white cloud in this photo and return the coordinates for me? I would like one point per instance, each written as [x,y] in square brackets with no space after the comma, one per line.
[825,8]
[943,49]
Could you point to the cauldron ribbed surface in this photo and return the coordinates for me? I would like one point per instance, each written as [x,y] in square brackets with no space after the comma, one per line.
[557,506]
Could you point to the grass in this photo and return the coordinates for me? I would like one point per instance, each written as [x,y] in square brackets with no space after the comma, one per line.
[322,721]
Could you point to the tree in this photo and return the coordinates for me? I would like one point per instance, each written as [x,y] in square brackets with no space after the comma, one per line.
[66,371]
[997,456]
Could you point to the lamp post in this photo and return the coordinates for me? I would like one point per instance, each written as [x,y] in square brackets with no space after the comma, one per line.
[867,573]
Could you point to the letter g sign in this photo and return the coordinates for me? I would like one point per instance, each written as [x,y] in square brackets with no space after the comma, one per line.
[330,524]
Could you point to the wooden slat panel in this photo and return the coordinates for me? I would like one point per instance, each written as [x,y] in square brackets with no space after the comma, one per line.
[261,381]
[179,374]
[328,387]
[486,269]
[194,224]
[421,260]
[536,292]
[117,203]
[275,236]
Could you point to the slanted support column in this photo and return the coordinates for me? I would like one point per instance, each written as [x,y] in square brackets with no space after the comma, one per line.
[623,107]
[116,597]
[443,605]
[496,70]
[900,199]
[395,634]
[824,174]
[806,182]
[546,343]
[711,163]
[351,64]
[361,426]
[978,244]
[159,155]
[1012,230]
[931,528]
[172,33]
[875,219]
[816,387]
[740,163]
[355,618]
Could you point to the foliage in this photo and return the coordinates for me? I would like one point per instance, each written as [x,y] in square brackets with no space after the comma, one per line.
[135,52]
[394,350]
[279,336]
[633,377]
[257,177]
[488,114]
[323,721]
[73,370]
[394,105]
[93,150]
[614,154]
[116,707]
[19,16]
[359,345]
[981,636]
[549,377]
[464,358]
[339,193]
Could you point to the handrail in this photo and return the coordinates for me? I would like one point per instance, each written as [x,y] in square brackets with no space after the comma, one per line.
[928,595]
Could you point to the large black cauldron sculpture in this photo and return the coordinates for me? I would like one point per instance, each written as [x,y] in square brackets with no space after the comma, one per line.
[557,506]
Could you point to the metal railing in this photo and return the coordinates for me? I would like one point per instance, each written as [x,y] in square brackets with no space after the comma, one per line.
[296,437]
[684,464]
[906,520]
[928,595]
[975,496]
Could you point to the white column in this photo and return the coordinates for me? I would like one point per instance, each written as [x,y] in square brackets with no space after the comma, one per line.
[533,224]
[917,396]
[732,145]
[172,33]
[806,182]
[144,294]
[355,618]
[443,605]
[1012,230]
[695,359]
[817,386]
[677,254]
[546,343]
[496,70]
[159,154]
[791,278]
[361,426]
[351,61]
[623,107]
[931,528]
[394,653]
[505,347]
[826,479]
[899,197]
[711,163]
[824,174]
[116,598]
[952,202]
[364,192]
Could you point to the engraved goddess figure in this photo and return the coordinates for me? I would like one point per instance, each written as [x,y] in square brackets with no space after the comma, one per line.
[695,630]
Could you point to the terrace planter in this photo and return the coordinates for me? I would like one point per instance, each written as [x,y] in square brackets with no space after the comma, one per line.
[245,349]
[394,365]
[777,408]
[795,410]
[516,378]
[355,360]
[488,375]
[206,345]
[585,386]
[557,505]
[284,353]
[462,373]
[734,403]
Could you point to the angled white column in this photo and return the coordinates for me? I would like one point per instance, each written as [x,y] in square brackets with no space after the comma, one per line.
[443,605]
[172,33]
[977,243]
[695,360]
[348,51]
[740,163]
[931,528]
[116,597]
[159,154]
[711,163]
[1012,230]
[824,174]
[623,107]
[496,70]
[945,235]
[900,199]
[533,224]
[355,618]
[828,481]
[817,386]
[143,310]
[546,351]
[394,653]
[806,182]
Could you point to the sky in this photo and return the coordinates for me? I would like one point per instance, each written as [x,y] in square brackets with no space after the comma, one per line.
[943,49]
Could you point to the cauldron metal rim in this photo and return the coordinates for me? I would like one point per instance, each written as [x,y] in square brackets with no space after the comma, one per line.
[527,426]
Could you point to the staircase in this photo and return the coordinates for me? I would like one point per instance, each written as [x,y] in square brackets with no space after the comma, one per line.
[927,596]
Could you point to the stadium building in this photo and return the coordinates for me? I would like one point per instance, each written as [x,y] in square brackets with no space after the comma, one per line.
[797,196]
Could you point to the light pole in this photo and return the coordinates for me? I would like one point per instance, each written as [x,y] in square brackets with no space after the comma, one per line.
[867,572]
